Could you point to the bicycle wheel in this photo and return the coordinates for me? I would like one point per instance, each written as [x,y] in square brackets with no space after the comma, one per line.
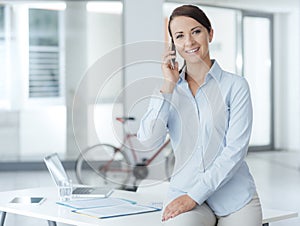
[103,164]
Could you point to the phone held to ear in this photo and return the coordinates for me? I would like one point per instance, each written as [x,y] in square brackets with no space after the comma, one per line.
[172,47]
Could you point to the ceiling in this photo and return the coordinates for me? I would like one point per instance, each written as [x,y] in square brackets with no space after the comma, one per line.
[258,5]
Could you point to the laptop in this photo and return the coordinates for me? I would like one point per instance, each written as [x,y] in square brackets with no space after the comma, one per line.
[59,173]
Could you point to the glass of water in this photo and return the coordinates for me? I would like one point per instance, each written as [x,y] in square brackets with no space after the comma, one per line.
[65,190]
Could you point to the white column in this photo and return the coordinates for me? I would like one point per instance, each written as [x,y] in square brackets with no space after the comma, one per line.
[143,23]
[143,34]
[19,58]
[76,65]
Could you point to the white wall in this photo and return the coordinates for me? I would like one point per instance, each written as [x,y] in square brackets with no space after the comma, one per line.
[287,80]
[42,131]
[10,136]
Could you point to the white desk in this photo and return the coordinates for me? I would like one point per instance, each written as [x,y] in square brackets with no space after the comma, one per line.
[53,212]
[270,215]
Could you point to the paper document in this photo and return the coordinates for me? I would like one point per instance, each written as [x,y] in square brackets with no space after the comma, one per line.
[95,202]
[117,211]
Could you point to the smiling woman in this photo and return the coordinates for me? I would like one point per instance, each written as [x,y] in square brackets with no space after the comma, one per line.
[236,49]
[191,40]
[184,30]
[207,113]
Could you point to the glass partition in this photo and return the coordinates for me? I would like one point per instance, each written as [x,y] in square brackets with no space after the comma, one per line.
[51,46]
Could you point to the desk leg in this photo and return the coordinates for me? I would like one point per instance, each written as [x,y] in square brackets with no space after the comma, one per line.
[51,223]
[2,219]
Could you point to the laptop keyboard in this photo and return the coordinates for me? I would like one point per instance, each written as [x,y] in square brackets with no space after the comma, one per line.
[83,190]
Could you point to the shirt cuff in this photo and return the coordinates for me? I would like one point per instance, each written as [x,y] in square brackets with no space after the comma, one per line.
[199,193]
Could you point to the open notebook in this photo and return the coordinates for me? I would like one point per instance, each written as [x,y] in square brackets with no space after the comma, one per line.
[116,210]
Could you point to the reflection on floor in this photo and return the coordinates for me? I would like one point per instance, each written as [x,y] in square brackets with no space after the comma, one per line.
[277,176]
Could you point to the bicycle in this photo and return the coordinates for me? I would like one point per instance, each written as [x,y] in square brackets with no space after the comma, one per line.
[105,163]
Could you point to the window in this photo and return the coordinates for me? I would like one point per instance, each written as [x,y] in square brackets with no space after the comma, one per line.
[44,53]
[257,70]
[31,72]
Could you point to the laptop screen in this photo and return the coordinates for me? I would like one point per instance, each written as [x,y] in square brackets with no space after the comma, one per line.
[55,168]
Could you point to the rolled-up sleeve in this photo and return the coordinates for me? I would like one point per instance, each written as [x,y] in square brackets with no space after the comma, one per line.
[235,148]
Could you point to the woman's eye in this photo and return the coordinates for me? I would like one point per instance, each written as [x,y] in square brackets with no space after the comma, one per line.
[197,31]
[179,36]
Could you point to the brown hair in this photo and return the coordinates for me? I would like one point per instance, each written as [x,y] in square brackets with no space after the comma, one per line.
[192,12]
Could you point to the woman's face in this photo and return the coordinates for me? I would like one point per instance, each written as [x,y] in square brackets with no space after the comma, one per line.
[191,39]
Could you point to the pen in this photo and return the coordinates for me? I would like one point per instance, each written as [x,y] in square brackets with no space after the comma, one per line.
[127,200]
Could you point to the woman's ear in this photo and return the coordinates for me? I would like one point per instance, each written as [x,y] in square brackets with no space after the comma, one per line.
[211,34]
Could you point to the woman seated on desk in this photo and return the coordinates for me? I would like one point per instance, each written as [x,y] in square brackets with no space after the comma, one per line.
[208,115]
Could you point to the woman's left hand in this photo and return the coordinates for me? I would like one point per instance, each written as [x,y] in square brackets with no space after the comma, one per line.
[179,205]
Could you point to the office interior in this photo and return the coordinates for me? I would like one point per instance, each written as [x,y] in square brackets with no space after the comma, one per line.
[51,54]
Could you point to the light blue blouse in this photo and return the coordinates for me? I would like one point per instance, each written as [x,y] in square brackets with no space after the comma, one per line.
[210,135]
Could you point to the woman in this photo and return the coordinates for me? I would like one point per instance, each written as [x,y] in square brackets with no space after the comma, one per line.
[208,115]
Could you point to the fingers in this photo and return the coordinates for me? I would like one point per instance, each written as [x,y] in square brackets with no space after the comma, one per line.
[170,213]
[173,209]
[170,71]
[167,57]
[179,205]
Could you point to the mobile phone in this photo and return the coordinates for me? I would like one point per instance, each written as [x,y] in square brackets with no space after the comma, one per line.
[28,200]
[172,47]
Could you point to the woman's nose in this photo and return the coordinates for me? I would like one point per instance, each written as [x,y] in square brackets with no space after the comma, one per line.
[189,40]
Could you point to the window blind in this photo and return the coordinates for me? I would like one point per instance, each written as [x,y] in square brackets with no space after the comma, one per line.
[44,67]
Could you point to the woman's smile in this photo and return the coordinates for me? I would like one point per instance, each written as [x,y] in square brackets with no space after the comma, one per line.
[191,51]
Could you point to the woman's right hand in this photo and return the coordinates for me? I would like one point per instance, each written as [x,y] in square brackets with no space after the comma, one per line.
[171,75]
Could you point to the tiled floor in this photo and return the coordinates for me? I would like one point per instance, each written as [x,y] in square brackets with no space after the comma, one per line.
[277,175]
